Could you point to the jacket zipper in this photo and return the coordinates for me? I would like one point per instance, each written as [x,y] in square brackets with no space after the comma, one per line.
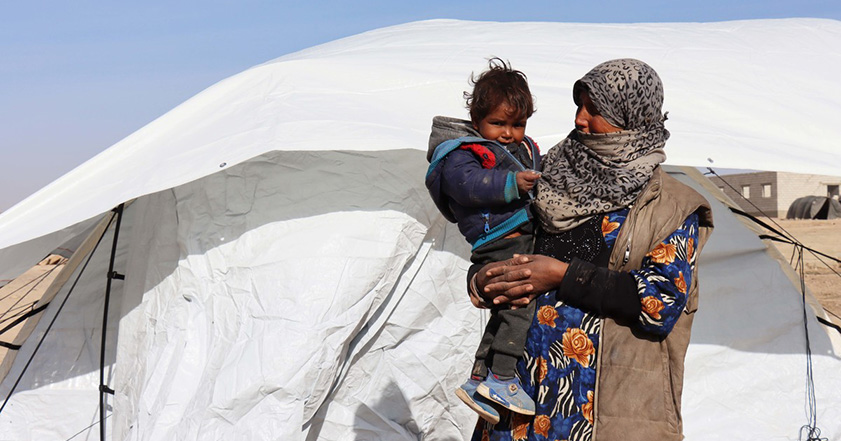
[627,255]
[533,153]
[486,217]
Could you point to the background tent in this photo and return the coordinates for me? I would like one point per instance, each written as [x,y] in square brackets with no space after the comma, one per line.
[814,207]
[287,276]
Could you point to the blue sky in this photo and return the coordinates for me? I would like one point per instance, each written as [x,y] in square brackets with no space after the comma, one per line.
[76,77]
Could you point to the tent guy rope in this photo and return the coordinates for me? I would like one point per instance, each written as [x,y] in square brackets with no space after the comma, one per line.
[810,429]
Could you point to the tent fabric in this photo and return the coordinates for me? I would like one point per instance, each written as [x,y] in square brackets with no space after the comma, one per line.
[257,320]
[379,90]
[18,299]
[814,207]
[748,340]
[288,277]
[58,396]
[279,292]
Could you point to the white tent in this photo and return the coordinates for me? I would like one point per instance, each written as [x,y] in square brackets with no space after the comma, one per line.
[287,276]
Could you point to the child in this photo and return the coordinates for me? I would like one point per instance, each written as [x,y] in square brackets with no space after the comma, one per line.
[480,176]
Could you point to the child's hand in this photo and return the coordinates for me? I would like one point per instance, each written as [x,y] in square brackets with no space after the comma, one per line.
[526,180]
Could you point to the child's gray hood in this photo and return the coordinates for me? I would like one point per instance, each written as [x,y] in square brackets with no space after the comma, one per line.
[445,128]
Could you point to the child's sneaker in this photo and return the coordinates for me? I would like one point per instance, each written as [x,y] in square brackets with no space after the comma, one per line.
[480,404]
[507,393]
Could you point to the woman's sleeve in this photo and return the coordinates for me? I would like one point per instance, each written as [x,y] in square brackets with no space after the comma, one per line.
[664,279]
[601,291]
[651,298]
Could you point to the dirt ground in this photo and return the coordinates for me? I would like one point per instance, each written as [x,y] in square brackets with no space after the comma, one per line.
[822,281]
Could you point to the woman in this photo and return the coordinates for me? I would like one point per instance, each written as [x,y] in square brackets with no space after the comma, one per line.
[617,244]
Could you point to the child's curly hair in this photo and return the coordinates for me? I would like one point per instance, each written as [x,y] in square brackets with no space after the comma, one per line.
[499,85]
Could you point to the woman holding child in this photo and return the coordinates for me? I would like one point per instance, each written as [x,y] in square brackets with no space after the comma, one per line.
[615,255]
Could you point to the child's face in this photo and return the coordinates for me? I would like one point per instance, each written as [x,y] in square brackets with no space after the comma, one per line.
[502,125]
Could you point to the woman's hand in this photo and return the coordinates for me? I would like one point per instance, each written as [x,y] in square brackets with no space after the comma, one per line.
[520,279]
[476,285]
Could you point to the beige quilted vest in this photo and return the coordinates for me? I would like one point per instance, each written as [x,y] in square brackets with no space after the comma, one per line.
[640,378]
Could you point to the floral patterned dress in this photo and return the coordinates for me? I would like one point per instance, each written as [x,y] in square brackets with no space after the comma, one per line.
[558,368]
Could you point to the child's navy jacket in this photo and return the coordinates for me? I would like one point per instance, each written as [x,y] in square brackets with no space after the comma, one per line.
[473,180]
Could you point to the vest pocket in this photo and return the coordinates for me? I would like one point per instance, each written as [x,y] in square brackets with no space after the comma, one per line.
[638,401]
[629,392]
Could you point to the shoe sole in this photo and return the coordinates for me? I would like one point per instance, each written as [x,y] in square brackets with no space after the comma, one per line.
[462,394]
[484,391]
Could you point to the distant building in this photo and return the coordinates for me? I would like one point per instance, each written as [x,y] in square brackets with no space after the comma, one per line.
[773,192]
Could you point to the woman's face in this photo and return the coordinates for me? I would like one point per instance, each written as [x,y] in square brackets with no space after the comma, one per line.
[588,120]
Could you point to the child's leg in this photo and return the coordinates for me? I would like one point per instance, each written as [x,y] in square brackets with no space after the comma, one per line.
[503,387]
[480,365]
[467,391]
[510,339]
[503,355]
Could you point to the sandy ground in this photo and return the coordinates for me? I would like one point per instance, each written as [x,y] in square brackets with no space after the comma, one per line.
[821,279]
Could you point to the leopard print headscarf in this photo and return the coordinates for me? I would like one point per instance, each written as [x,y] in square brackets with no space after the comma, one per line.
[590,174]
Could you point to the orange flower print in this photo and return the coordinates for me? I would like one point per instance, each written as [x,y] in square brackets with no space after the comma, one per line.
[680,283]
[690,249]
[486,436]
[663,253]
[587,408]
[542,369]
[577,346]
[608,227]
[520,425]
[542,424]
[652,307]
[546,315]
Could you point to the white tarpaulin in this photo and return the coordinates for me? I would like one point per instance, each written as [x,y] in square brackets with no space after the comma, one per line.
[758,94]
[288,277]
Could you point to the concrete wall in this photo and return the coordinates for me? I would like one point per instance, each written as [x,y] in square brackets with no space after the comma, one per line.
[784,189]
[755,183]
[794,185]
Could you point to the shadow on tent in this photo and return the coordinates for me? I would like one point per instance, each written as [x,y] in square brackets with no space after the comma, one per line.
[198,217]
[747,302]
